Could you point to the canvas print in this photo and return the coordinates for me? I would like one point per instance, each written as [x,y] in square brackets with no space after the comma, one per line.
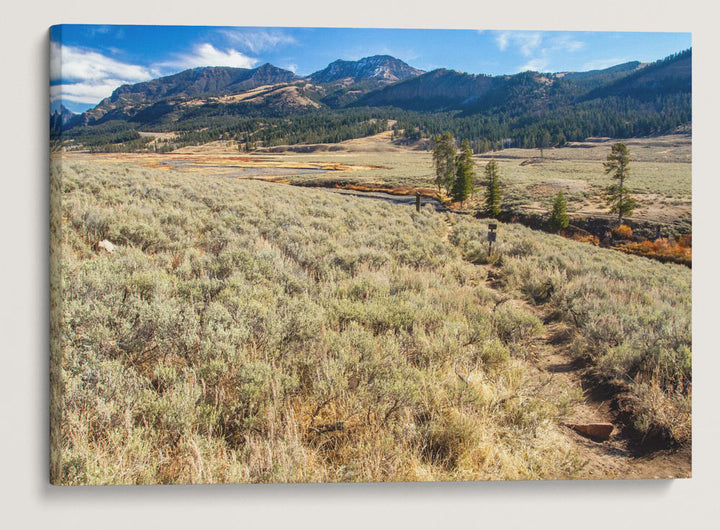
[368,255]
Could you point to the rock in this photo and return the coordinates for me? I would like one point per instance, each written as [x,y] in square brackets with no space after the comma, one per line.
[106,246]
[594,430]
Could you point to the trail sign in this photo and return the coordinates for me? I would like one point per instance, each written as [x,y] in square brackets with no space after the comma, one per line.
[492,236]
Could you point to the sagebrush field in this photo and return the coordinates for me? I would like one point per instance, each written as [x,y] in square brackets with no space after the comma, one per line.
[249,331]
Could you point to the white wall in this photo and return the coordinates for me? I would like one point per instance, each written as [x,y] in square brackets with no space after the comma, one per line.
[28,501]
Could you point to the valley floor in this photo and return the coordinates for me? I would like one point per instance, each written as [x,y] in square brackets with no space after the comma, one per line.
[660,171]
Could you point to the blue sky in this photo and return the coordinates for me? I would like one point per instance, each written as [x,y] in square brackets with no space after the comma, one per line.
[89,61]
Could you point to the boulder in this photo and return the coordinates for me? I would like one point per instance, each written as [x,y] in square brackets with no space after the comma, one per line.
[106,246]
[594,430]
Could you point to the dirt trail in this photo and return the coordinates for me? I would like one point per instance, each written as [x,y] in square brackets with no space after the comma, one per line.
[615,457]
[551,356]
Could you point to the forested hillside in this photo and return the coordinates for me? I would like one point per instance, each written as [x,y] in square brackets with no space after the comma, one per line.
[268,106]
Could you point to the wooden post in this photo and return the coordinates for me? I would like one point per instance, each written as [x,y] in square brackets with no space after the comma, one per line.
[492,236]
[417,201]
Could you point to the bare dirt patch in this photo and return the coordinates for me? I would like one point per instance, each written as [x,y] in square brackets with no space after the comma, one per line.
[552,187]
[616,457]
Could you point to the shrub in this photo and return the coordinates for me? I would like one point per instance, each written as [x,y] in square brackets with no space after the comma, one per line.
[622,232]
[514,325]
[446,439]
[245,331]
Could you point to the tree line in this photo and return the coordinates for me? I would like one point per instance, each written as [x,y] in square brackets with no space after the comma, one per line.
[613,116]
[489,130]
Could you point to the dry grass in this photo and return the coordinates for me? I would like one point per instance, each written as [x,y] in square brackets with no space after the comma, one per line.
[250,332]
[631,316]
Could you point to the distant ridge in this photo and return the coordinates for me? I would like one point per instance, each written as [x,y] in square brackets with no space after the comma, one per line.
[60,118]
[605,75]
[439,89]
[670,75]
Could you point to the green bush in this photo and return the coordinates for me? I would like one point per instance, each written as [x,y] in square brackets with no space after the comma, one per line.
[514,325]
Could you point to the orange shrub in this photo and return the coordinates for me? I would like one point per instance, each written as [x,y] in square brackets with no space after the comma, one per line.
[678,251]
[585,238]
[622,232]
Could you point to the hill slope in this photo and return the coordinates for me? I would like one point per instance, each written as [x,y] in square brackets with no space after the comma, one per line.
[127,100]
[434,90]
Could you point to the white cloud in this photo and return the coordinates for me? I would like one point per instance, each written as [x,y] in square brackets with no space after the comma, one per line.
[536,65]
[256,41]
[526,42]
[86,93]
[566,44]
[539,49]
[574,45]
[530,43]
[72,63]
[502,40]
[87,76]
[206,54]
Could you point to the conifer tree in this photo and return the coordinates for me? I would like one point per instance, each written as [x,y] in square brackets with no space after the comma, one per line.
[492,189]
[444,160]
[618,195]
[559,218]
[464,174]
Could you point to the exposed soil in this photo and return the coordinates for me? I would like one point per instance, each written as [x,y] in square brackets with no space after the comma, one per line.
[551,187]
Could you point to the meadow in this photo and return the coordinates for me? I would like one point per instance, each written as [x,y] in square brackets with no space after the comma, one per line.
[248,331]
[660,172]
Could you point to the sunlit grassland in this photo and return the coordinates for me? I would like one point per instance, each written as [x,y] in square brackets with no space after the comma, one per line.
[669,179]
[660,174]
[405,167]
[246,331]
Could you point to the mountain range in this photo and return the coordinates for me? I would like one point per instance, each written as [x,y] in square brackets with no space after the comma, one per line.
[383,82]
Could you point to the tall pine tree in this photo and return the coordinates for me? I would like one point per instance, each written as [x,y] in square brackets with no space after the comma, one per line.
[559,218]
[444,160]
[464,174]
[492,189]
[618,195]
